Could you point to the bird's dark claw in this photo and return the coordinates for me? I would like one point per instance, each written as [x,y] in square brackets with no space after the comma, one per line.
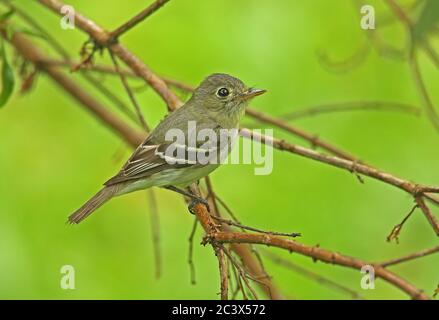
[196,201]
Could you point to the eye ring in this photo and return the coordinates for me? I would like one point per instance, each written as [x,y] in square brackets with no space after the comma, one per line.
[223,92]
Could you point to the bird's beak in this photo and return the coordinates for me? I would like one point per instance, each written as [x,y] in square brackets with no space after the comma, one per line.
[251,93]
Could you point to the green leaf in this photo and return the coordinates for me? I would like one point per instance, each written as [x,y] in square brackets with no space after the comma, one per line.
[428,18]
[8,79]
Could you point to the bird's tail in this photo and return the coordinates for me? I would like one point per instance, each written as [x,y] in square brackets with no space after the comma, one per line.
[105,194]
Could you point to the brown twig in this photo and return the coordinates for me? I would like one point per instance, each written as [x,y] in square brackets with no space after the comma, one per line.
[399,12]
[223,271]
[434,57]
[345,64]
[228,209]
[255,267]
[219,251]
[411,188]
[239,286]
[191,251]
[312,275]
[409,257]
[352,106]
[130,93]
[317,254]
[155,228]
[138,18]
[313,139]
[422,89]
[212,196]
[242,273]
[428,214]
[394,234]
[241,226]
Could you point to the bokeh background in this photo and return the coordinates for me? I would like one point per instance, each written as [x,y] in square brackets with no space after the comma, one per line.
[54,155]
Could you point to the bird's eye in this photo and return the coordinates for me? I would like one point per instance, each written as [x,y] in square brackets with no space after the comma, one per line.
[223,92]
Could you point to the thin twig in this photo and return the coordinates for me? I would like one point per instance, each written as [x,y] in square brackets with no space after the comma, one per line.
[399,12]
[409,257]
[394,234]
[428,214]
[312,275]
[352,106]
[313,139]
[232,223]
[227,208]
[411,188]
[191,252]
[354,60]
[155,228]
[244,276]
[422,89]
[223,271]
[138,18]
[434,57]
[130,93]
[238,284]
[212,196]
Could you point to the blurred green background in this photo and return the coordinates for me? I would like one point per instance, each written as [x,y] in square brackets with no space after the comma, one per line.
[54,155]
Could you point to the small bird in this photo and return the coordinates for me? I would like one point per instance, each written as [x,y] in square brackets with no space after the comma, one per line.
[217,104]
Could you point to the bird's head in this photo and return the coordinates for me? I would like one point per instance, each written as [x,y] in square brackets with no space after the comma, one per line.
[224,96]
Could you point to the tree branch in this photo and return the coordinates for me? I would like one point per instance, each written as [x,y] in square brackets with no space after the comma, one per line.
[352,166]
[409,257]
[317,254]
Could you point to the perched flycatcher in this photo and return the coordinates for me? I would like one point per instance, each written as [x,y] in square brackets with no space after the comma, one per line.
[216,105]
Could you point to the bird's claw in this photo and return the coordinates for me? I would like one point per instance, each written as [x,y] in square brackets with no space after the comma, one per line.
[194,202]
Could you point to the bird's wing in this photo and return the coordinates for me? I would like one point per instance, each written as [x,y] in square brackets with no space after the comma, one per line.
[152,158]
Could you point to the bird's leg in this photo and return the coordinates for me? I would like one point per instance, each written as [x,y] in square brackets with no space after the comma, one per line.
[195,199]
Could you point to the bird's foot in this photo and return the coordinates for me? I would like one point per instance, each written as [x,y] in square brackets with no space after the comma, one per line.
[196,201]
